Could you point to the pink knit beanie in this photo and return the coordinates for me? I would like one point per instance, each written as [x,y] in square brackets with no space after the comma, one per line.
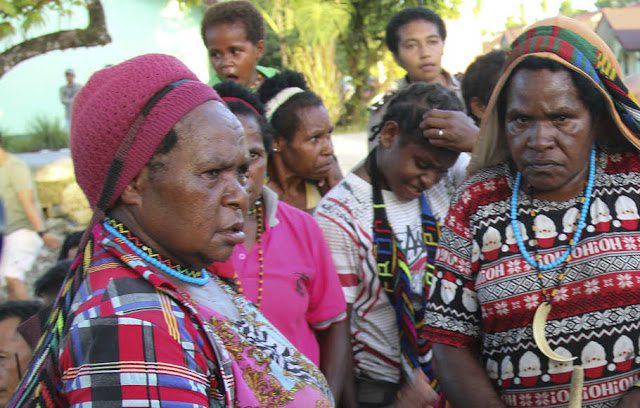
[141,98]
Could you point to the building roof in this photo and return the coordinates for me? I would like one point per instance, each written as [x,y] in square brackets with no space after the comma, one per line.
[625,23]
[591,18]
[504,38]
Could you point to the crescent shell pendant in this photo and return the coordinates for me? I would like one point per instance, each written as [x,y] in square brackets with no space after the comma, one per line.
[539,336]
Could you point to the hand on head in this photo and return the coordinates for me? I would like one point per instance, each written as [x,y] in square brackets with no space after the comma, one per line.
[452,130]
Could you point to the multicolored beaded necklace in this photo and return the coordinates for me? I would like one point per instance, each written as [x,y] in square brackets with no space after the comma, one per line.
[197,277]
[259,211]
[577,229]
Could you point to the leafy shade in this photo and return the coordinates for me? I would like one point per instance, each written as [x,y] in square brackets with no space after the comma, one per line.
[22,15]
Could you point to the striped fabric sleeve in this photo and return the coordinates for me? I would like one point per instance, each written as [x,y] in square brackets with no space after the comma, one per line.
[124,361]
[342,238]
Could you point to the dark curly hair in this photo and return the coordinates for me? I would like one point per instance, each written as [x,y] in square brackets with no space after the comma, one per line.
[481,77]
[49,284]
[405,17]
[233,12]
[409,105]
[231,89]
[22,309]
[70,241]
[285,120]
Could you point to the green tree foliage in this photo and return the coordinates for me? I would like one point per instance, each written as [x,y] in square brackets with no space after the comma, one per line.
[361,45]
[43,133]
[19,16]
[330,40]
[306,32]
[512,22]
[613,3]
[566,9]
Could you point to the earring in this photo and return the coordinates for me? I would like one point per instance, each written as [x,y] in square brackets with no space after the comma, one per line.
[275,149]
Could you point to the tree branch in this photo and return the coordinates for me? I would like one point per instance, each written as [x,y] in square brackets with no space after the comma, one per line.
[95,34]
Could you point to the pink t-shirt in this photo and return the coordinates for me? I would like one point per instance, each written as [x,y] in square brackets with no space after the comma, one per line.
[301,290]
[268,370]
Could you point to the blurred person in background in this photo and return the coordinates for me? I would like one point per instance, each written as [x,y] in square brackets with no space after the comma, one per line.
[48,285]
[70,246]
[479,80]
[415,36]
[25,231]
[67,93]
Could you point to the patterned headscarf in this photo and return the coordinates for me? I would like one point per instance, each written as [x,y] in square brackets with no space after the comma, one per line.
[580,49]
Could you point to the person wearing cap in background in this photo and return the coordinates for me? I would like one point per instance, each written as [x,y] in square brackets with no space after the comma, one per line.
[139,321]
[536,295]
[67,93]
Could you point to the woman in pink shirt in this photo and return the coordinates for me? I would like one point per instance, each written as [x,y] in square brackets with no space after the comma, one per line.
[284,265]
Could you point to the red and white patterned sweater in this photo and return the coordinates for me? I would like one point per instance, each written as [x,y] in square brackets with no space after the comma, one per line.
[485,293]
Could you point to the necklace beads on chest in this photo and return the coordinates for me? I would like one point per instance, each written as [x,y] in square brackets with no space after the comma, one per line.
[581,222]
[197,277]
[260,226]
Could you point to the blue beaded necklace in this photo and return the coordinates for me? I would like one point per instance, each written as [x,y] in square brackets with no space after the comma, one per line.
[197,277]
[579,227]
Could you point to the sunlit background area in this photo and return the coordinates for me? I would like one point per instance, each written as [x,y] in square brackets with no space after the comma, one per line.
[30,88]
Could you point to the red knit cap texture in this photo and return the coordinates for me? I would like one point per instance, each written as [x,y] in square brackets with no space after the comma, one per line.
[107,106]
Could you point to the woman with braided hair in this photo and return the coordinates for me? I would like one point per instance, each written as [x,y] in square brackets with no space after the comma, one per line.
[381,223]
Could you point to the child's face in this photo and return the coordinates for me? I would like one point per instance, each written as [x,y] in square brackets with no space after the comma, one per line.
[232,55]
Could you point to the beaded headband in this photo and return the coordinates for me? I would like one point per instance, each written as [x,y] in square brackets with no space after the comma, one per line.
[280,98]
[235,99]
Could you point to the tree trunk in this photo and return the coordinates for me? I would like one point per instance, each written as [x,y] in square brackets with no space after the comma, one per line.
[95,34]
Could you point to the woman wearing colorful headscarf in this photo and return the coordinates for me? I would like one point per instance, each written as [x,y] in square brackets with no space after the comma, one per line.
[140,322]
[538,266]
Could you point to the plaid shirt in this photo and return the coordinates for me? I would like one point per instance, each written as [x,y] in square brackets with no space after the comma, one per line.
[136,340]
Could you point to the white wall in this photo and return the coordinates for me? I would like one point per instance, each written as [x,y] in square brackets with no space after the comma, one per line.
[136,27]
